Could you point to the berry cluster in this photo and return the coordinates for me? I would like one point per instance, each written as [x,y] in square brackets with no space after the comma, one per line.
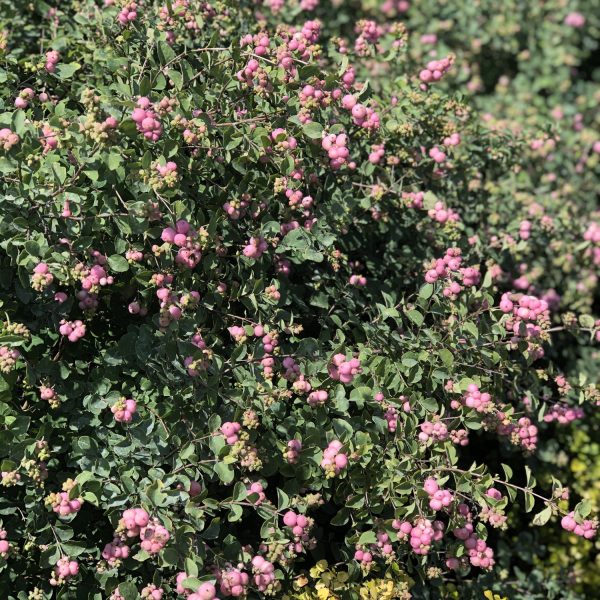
[336,148]
[317,398]
[563,414]
[4,544]
[41,278]
[230,431]
[52,58]
[436,69]
[292,451]
[438,498]
[115,551]
[186,238]
[124,409]
[300,526]
[436,431]
[586,528]
[334,461]
[8,358]
[64,569]
[449,268]
[8,138]
[128,13]
[24,97]
[72,330]
[480,401]
[255,247]
[344,370]
[62,505]
[443,214]
[421,534]
[146,120]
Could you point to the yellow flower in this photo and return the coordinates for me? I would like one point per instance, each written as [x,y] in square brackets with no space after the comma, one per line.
[327,578]
[342,577]
[323,594]
[491,596]
[318,569]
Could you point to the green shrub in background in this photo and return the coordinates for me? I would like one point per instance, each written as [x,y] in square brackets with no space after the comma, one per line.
[298,300]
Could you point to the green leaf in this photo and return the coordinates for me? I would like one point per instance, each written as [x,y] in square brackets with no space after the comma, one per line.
[529,501]
[191,583]
[508,472]
[341,517]
[191,568]
[415,316]
[74,548]
[60,172]
[84,477]
[214,422]
[426,291]
[313,130]
[283,500]
[224,472]
[320,300]
[118,263]
[235,513]
[114,161]
[529,478]
[165,53]
[429,200]
[141,556]
[447,357]
[312,255]
[128,590]
[587,321]
[19,122]
[7,165]
[177,78]
[584,508]
[367,537]
[154,493]
[471,328]
[429,404]
[360,395]
[297,239]
[542,517]
[65,71]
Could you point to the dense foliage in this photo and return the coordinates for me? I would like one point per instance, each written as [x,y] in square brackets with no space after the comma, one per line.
[299,299]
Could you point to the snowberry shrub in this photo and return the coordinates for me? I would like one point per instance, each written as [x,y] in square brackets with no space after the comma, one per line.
[275,298]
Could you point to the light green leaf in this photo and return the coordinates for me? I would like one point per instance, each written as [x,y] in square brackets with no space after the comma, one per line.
[65,71]
[313,130]
[118,263]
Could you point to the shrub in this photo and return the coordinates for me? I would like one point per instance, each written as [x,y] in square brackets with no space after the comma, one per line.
[285,315]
